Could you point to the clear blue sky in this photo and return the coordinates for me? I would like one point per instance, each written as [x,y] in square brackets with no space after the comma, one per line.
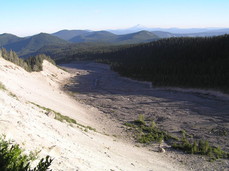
[27,17]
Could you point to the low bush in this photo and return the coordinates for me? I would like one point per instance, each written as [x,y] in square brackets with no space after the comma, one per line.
[201,147]
[147,133]
[13,159]
[150,133]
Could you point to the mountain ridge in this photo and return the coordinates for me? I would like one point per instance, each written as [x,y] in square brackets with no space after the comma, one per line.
[105,36]
[28,45]
[69,34]
[33,43]
[7,38]
[97,36]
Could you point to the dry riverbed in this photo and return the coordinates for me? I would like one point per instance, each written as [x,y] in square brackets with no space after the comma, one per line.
[201,114]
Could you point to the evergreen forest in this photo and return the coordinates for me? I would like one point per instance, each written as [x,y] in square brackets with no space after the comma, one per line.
[173,62]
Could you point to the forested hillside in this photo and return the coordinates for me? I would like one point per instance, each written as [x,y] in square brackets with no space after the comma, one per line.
[78,51]
[32,44]
[8,38]
[30,64]
[179,62]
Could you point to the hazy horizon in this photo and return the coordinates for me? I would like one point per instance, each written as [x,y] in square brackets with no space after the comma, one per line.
[26,17]
[108,29]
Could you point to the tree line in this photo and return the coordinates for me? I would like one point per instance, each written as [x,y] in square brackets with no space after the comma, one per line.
[30,64]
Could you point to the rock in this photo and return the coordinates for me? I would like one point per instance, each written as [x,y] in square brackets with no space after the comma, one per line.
[161,150]
[51,114]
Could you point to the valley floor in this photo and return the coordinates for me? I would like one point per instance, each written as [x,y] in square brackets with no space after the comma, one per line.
[203,114]
[24,119]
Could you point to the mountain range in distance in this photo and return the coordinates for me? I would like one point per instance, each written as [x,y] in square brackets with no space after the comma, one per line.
[30,44]
[80,36]
[173,30]
[138,34]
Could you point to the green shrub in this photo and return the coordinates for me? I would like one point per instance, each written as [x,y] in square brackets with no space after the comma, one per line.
[141,120]
[90,128]
[129,125]
[147,133]
[62,118]
[153,124]
[13,159]
[150,133]
[201,148]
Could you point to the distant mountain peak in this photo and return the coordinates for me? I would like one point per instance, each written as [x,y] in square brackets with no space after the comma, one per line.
[69,34]
[129,30]
[41,33]
[138,26]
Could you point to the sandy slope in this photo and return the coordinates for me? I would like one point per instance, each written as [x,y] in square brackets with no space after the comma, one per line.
[72,147]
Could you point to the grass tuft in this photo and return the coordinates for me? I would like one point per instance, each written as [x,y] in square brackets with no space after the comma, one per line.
[58,116]
[2,86]
[63,118]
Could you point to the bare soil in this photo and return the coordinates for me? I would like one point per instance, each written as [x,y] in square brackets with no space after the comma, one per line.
[205,115]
